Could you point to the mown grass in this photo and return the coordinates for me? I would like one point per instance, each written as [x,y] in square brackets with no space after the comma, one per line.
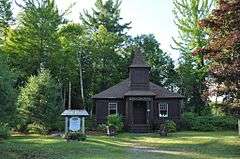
[184,145]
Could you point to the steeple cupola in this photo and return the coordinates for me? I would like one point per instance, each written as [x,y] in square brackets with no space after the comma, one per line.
[139,72]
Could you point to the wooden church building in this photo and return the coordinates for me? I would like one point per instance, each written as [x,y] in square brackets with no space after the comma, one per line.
[142,104]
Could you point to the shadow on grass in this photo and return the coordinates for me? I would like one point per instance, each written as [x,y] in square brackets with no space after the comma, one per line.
[180,145]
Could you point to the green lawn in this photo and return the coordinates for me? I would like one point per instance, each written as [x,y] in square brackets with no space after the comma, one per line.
[182,145]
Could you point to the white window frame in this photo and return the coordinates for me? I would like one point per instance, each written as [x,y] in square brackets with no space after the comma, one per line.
[116,107]
[159,109]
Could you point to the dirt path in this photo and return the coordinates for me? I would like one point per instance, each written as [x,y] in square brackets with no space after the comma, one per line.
[152,150]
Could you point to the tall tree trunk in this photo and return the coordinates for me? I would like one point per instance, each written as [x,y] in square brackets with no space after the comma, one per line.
[69,94]
[64,97]
[238,126]
[81,78]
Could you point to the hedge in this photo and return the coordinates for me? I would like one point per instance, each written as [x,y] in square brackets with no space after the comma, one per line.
[191,121]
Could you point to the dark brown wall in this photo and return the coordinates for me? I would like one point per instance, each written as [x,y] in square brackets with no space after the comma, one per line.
[139,78]
[174,110]
[102,108]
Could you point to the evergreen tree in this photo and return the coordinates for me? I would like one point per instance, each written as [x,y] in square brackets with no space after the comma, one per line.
[7,93]
[106,14]
[192,70]
[40,103]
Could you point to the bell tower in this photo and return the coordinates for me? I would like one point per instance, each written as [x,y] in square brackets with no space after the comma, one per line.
[139,72]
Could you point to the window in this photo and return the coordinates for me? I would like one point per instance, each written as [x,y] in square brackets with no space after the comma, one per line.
[112,108]
[163,109]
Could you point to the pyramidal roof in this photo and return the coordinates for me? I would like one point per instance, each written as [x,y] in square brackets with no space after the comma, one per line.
[122,89]
[138,60]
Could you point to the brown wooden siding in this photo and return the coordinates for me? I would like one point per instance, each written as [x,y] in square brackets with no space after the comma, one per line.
[174,110]
[102,108]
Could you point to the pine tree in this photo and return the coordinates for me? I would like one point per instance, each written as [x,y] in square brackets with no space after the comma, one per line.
[7,93]
[40,103]
[106,14]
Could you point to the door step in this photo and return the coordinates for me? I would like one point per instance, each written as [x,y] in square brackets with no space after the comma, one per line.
[140,128]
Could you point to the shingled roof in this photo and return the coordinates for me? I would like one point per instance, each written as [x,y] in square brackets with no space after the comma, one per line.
[122,89]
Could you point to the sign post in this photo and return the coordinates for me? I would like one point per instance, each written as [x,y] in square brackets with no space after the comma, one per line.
[75,120]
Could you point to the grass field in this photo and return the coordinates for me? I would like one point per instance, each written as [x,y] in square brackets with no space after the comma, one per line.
[181,145]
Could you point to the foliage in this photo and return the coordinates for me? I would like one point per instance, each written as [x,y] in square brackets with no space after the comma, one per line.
[6,18]
[36,129]
[5,131]
[170,126]
[106,14]
[75,136]
[33,44]
[223,54]
[75,58]
[116,121]
[90,123]
[192,70]
[39,102]
[192,121]
[109,63]
[106,60]
[102,128]
[7,93]
[162,66]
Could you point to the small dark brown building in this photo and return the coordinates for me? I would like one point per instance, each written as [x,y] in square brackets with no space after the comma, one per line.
[142,104]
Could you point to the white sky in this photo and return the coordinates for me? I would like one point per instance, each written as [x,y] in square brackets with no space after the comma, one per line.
[147,16]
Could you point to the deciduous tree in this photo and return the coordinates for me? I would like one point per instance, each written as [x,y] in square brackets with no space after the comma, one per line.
[162,66]
[34,44]
[223,54]
[192,70]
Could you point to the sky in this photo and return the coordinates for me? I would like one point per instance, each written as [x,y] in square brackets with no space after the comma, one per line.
[147,17]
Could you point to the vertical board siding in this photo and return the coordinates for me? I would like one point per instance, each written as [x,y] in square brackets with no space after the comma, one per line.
[102,109]
[174,111]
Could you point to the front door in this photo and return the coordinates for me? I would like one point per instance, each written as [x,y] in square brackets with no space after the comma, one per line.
[139,112]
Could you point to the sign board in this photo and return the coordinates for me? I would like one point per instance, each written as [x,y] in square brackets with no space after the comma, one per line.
[74,124]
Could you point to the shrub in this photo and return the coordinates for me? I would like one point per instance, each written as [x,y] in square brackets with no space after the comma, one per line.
[116,121]
[203,123]
[40,102]
[75,136]
[36,129]
[192,121]
[4,131]
[186,122]
[102,128]
[90,123]
[170,126]
[225,123]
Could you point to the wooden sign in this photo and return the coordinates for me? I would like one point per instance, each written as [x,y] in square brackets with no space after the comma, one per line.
[74,124]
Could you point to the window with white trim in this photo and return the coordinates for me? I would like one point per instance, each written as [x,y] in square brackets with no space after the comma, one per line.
[112,108]
[163,109]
